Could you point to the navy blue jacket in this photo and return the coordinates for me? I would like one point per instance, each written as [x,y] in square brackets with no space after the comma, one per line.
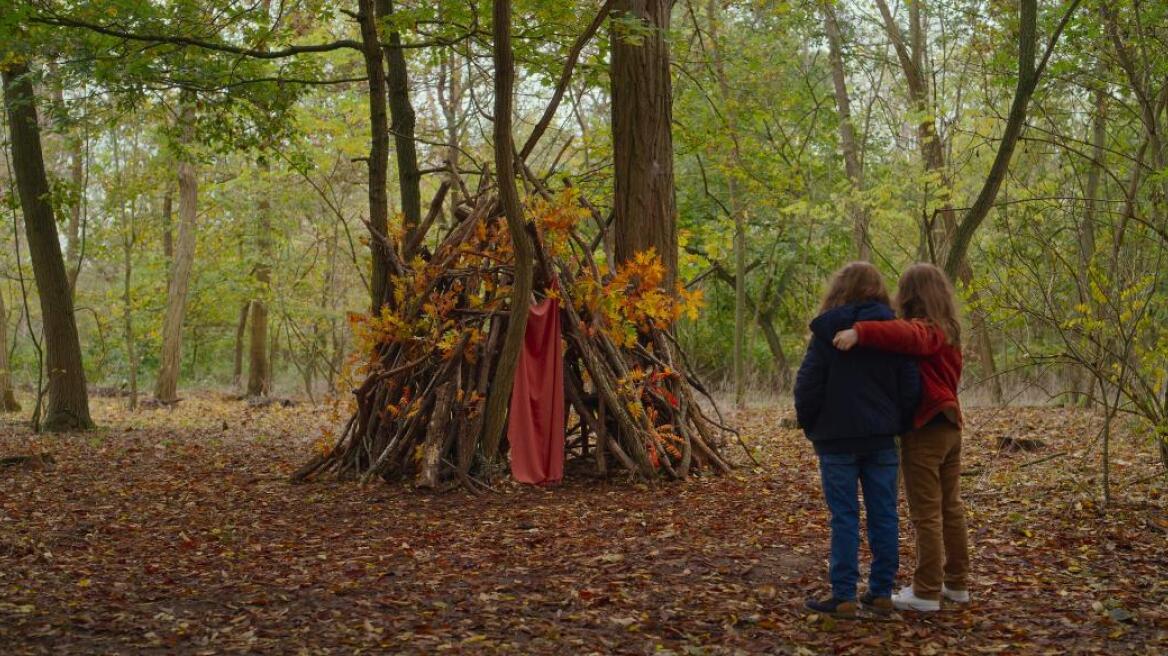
[854,401]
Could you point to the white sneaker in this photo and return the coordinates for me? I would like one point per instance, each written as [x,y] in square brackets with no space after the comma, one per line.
[907,600]
[956,596]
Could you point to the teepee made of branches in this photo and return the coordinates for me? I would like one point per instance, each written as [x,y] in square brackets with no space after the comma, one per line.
[428,358]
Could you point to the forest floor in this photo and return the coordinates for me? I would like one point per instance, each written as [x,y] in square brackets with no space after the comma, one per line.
[175,531]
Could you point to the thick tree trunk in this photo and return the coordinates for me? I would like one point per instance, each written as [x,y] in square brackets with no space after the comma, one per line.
[8,401]
[499,395]
[642,93]
[259,374]
[853,167]
[166,387]
[68,402]
[378,153]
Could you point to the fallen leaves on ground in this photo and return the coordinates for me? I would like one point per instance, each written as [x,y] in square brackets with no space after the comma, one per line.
[174,531]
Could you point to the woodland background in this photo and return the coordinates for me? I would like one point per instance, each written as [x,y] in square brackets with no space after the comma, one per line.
[222,175]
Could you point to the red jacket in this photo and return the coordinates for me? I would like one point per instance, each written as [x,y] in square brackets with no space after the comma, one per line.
[940,362]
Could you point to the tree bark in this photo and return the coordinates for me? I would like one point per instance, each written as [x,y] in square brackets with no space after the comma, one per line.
[401,113]
[450,89]
[378,153]
[1015,121]
[644,204]
[499,396]
[167,224]
[68,401]
[853,168]
[166,387]
[8,401]
[259,374]
[240,329]
[127,221]
[73,235]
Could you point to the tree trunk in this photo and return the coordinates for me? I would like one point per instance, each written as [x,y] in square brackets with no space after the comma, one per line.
[1015,121]
[128,237]
[499,395]
[766,321]
[643,202]
[378,153]
[730,111]
[73,235]
[128,316]
[240,329]
[166,387]
[8,401]
[167,223]
[259,374]
[402,115]
[449,90]
[847,132]
[68,402]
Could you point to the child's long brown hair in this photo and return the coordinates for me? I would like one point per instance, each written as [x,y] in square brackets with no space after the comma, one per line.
[855,282]
[924,292]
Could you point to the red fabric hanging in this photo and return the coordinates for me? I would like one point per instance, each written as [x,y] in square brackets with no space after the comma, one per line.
[535,427]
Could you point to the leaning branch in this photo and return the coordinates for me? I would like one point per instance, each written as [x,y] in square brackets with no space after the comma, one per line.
[1028,76]
[549,112]
[255,53]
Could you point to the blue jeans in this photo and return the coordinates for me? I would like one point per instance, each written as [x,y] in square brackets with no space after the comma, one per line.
[876,472]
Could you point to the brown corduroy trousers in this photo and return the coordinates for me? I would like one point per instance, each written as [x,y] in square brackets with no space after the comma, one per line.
[931,466]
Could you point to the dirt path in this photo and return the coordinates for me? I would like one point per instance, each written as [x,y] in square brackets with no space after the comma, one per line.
[174,532]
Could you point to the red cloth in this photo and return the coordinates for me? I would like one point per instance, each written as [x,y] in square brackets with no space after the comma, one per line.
[940,362]
[535,427]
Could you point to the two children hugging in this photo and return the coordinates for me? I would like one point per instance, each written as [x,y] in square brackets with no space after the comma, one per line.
[869,376]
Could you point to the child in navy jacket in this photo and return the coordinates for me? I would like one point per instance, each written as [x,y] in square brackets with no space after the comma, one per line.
[852,405]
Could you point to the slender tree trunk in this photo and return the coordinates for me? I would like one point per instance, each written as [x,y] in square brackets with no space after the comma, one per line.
[128,314]
[847,132]
[8,401]
[68,401]
[401,112]
[378,153]
[73,146]
[644,204]
[166,387]
[499,395]
[273,353]
[259,374]
[450,100]
[1094,172]
[73,234]
[127,221]
[240,330]
[729,109]
[1015,121]
[167,224]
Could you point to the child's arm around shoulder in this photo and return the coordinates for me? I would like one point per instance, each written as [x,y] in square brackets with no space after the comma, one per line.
[910,337]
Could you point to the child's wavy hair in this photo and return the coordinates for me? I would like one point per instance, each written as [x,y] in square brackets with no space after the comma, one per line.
[924,292]
[854,283]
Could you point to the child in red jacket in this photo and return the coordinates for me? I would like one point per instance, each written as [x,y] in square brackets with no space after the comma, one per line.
[931,452]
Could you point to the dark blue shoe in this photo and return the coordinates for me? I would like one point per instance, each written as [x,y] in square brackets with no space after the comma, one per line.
[878,605]
[832,606]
